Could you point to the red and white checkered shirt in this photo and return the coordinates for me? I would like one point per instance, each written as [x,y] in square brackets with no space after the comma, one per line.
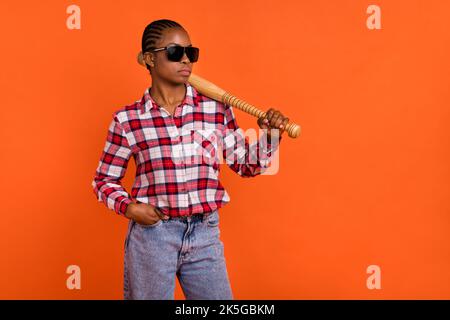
[177,156]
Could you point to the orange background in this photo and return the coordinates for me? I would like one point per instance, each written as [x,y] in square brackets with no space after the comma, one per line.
[367,182]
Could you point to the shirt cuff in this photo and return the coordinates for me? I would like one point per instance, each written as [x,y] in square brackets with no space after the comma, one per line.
[124,205]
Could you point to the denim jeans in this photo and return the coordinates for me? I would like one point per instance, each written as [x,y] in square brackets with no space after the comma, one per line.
[186,247]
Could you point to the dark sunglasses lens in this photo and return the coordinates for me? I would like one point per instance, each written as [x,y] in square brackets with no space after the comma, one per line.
[192,53]
[175,53]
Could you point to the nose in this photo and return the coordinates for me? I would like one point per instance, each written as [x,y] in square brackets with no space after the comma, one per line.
[185,58]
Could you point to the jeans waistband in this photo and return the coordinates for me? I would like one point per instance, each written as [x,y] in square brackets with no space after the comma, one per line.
[194,217]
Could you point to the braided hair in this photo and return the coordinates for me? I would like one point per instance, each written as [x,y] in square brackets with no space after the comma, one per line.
[154,32]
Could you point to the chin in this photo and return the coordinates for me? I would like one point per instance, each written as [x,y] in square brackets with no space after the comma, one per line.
[178,81]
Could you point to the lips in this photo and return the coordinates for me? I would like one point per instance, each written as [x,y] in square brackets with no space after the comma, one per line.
[185,71]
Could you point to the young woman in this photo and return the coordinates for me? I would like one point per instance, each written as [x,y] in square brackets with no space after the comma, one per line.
[173,207]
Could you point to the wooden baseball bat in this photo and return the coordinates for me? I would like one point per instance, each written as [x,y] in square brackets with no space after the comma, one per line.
[212,91]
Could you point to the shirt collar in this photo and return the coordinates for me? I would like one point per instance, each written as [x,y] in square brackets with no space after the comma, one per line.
[147,102]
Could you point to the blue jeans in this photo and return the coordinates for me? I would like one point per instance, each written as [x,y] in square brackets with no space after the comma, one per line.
[186,247]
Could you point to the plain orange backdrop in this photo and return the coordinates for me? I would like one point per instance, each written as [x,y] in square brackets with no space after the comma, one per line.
[366,183]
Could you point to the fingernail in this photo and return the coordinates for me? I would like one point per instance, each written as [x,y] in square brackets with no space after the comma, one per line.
[281,126]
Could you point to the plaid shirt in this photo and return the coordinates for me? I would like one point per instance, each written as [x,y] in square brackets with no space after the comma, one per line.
[177,158]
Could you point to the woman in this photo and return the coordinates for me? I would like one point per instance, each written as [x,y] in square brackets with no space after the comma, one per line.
[173,207]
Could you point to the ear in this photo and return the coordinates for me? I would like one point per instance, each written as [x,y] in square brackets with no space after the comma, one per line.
[149,58]
[146,58]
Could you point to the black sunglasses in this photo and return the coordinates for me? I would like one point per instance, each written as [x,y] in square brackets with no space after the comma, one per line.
[176,52]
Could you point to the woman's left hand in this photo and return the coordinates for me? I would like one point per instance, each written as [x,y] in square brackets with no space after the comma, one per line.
[273,119]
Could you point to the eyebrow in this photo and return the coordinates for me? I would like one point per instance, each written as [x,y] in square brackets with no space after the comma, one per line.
[179,44]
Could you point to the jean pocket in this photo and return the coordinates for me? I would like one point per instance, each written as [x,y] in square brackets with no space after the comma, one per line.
[131,224]
[149,226]
[213,219]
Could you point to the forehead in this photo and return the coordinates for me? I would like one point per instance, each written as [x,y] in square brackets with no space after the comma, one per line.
[175,36]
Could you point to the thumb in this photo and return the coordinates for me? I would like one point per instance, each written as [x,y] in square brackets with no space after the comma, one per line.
[161,215]
[262,124]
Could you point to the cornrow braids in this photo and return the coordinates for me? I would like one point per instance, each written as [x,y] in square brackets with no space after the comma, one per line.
[154,32]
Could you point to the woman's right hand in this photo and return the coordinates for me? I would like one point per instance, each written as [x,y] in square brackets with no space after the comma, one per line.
[143,213]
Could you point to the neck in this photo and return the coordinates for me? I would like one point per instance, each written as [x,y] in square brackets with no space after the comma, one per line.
[167,95]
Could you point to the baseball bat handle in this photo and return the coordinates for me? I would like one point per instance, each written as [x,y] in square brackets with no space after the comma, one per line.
[292,129]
